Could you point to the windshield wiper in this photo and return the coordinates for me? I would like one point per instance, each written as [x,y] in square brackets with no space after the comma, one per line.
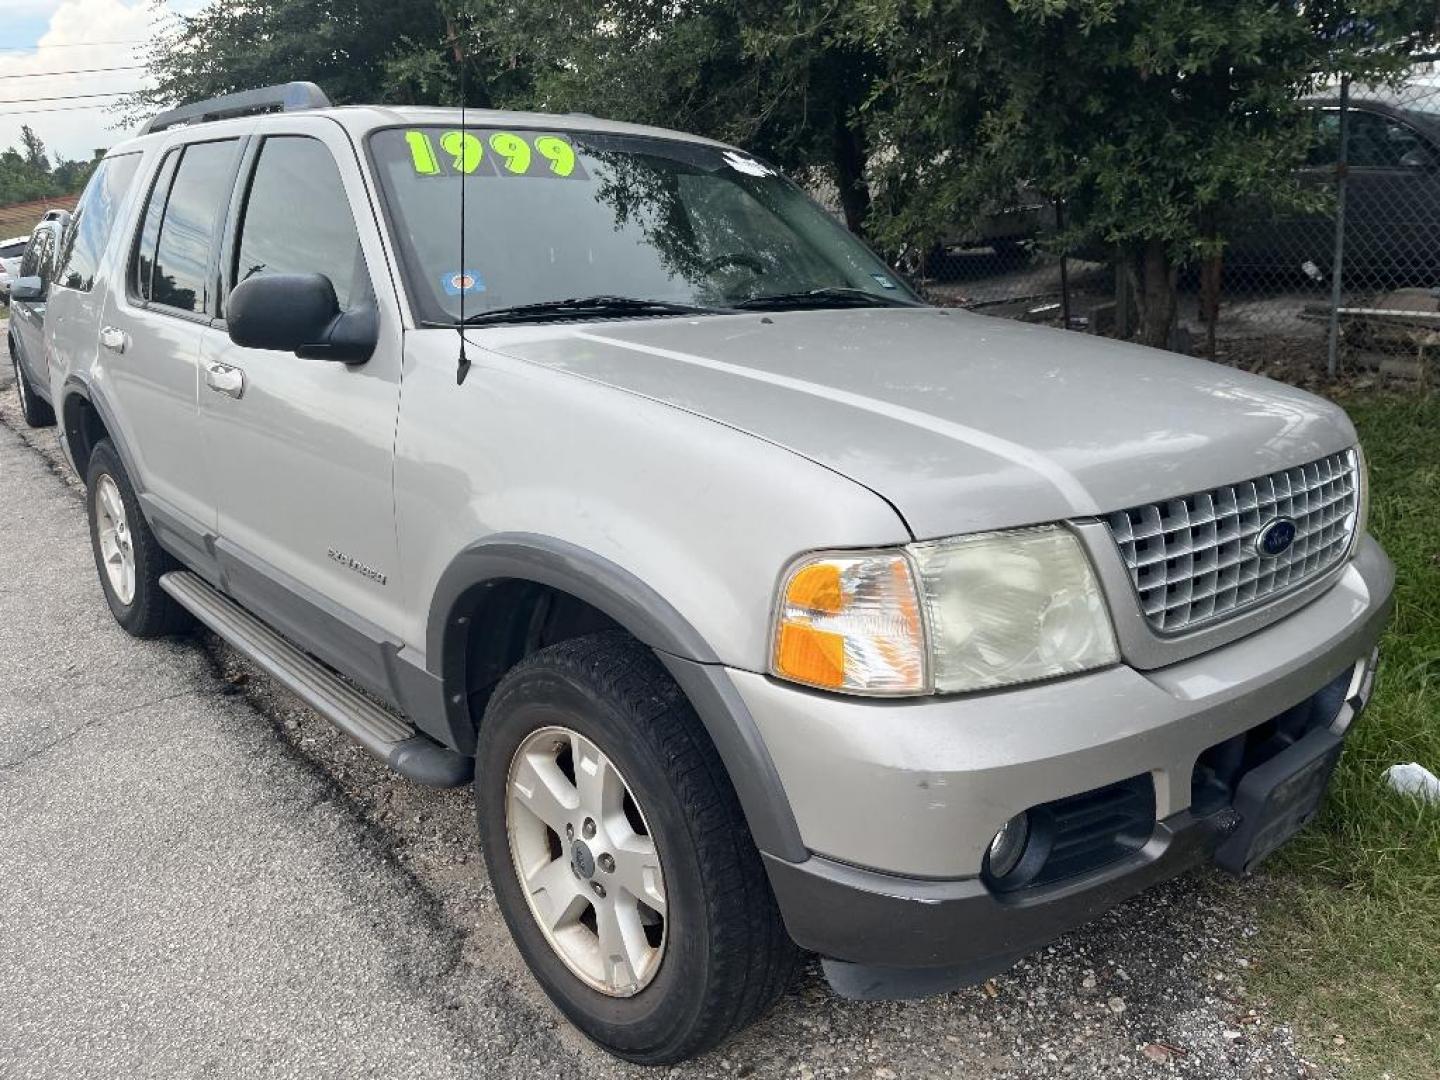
[585,307]
[830,296]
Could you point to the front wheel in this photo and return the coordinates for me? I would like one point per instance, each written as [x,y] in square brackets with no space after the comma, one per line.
[619,855]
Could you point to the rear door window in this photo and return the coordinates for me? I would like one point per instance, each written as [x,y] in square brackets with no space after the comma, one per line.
[297,218]
[190,224]
[143,266]
[45,256]
[94,220]
[30,261]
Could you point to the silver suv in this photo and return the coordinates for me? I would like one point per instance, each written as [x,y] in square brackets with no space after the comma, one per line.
[769,608]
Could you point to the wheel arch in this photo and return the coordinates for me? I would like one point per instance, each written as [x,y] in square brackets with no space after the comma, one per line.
[481,580]
[86,418]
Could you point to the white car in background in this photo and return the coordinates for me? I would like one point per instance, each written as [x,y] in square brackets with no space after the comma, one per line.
[10,252]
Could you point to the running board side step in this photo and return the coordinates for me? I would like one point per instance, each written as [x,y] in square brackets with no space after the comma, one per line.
[381,732]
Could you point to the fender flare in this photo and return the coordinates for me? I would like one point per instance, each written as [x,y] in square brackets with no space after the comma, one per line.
[77,385]
[654,621]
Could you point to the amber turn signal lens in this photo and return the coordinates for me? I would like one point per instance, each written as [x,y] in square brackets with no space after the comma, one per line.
[852,623]
[810,655]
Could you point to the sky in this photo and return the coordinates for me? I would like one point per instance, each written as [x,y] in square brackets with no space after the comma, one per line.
[38,37]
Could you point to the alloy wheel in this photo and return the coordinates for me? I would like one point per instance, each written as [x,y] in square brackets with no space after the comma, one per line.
[20,389]
[116,547]
[586,861]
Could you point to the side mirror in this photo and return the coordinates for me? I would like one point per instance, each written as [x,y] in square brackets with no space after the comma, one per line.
[27,288]
[299,313]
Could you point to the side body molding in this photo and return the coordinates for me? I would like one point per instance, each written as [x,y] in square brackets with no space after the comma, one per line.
[647,615]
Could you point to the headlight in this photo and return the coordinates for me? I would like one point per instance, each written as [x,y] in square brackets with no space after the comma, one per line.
[1011,607]
[975,612]
[851,622]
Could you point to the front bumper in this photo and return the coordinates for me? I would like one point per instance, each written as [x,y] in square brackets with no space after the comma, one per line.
[898,801]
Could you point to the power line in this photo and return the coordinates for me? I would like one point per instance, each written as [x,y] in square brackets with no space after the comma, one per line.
[56,108]
[73,71]
[64,97]
[70,45]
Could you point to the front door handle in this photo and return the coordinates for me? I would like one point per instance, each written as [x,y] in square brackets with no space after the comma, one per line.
[114,339]
[225,379]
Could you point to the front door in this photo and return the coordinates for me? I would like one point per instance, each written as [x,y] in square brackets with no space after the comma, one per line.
[301,449]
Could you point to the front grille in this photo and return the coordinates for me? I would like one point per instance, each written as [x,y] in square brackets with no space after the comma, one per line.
[1195,559]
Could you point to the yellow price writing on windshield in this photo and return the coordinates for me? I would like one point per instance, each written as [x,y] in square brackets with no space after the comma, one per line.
[422,155]
[492,153]
[514,149]
[465,150]
[558,152]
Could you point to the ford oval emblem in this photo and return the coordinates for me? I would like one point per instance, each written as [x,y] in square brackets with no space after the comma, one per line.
[1276,537]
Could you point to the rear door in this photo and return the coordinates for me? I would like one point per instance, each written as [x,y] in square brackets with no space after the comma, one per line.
[152,325]
[85,266]
[302,449]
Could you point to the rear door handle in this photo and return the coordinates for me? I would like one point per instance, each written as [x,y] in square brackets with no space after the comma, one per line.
[114,339]
[225,379]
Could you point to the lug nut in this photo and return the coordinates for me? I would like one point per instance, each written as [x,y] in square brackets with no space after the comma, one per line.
[599,889]
[589,828]
[607,864]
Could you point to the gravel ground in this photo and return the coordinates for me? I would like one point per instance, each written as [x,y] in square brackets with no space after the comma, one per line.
[202,878]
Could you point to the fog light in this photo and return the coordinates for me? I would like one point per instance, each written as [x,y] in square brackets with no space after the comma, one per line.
[1009,845]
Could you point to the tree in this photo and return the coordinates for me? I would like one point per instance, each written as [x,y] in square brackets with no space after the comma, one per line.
[226,47]
[26,172]
[779,78]
[1147,118]
[33,149]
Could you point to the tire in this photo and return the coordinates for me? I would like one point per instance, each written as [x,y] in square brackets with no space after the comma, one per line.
[37,412]
[724,954]
[117,528]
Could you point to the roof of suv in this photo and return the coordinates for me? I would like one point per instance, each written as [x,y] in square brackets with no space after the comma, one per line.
[359,120]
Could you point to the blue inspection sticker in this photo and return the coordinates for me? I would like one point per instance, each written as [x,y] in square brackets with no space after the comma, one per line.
[457,282]
[885,281]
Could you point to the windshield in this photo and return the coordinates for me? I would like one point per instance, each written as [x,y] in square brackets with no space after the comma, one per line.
[563,215]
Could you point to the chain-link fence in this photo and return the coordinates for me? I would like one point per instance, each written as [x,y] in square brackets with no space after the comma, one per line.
[1385,314]
[1005,264]
[1353,284]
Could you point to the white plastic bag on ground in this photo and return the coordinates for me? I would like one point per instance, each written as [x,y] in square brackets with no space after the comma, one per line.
[1414,779]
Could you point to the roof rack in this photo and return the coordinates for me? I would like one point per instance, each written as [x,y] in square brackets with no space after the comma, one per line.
[287,97]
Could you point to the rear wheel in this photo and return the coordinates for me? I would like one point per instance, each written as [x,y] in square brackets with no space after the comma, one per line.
[37,412]
[127,556]
[619,855]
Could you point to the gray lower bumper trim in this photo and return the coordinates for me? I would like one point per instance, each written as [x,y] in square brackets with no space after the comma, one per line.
[879,921]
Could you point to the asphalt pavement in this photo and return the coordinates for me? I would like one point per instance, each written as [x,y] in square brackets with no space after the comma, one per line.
[200,878]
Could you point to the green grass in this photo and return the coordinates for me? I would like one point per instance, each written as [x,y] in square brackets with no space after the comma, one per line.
[1353,934]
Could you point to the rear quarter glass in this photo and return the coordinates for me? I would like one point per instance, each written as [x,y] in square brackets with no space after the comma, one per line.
[94,220]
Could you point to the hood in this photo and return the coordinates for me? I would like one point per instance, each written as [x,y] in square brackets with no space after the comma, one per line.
[963,422]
